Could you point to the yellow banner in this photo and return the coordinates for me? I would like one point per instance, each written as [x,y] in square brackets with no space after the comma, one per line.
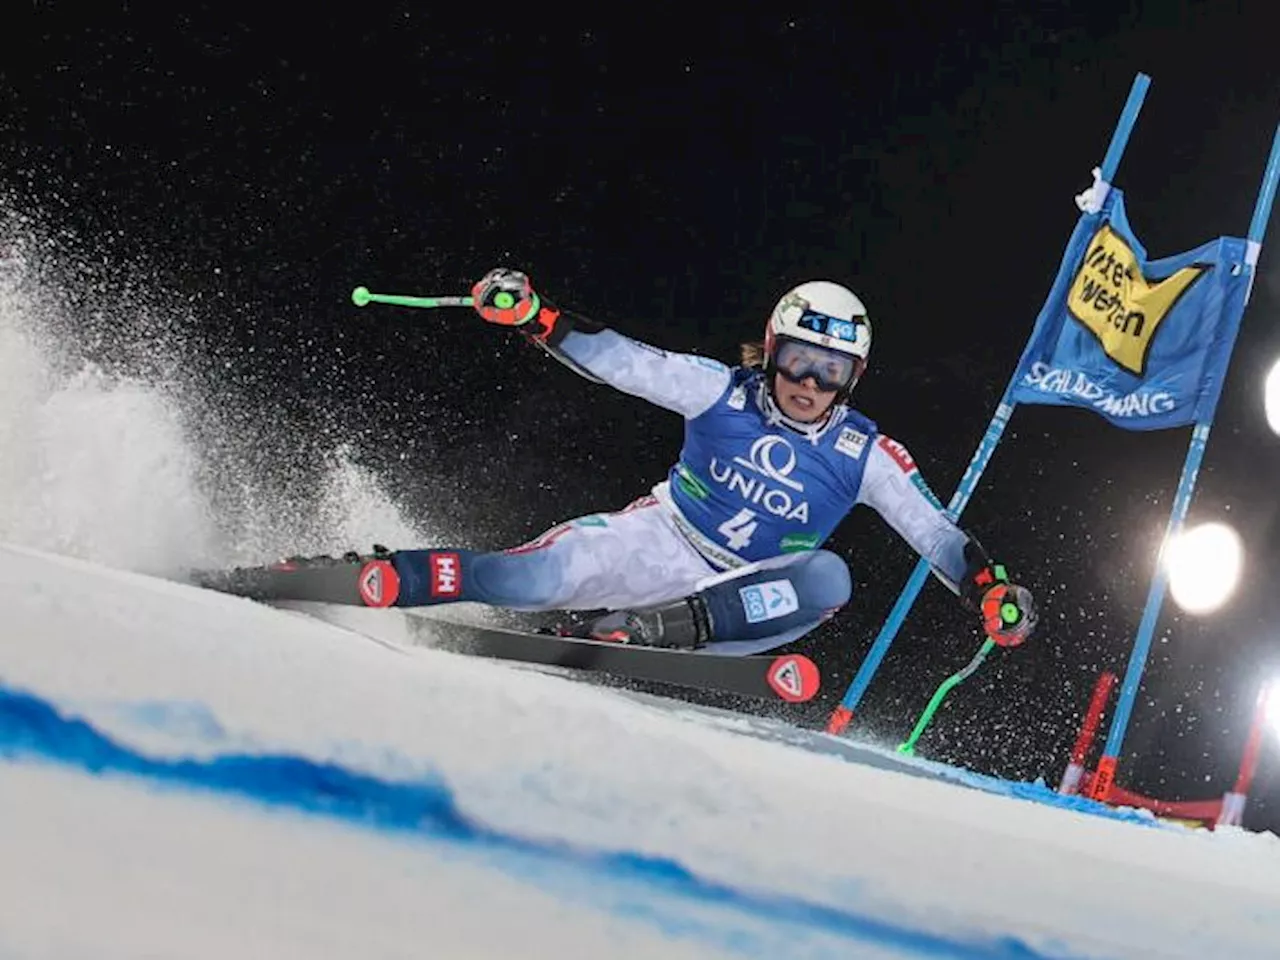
[1114,301]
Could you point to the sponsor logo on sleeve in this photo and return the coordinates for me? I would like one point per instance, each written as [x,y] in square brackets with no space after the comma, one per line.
[898,452]
[917,479]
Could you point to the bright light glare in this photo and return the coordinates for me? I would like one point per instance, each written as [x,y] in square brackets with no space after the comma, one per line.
[1273,707]
[1271,397]
[1204,566]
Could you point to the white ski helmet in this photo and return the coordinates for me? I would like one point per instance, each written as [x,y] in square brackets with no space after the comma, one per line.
[827,315]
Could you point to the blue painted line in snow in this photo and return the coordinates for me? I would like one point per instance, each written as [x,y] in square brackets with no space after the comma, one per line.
[885,758]
[1041,793]
[33,728]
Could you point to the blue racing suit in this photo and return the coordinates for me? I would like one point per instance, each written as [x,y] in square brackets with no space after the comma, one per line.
[741,516]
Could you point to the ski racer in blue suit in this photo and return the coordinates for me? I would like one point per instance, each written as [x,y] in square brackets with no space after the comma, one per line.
[725,553]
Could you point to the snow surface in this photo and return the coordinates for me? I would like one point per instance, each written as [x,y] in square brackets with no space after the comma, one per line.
[191,774]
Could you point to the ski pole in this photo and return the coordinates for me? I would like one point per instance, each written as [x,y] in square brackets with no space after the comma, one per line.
[909,748]
[361,297]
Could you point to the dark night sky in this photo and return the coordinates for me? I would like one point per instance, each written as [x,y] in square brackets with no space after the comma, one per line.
[672,176]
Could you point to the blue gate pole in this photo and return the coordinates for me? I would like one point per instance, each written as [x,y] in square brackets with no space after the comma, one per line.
[1182,501]
[1155,597]
[843,714]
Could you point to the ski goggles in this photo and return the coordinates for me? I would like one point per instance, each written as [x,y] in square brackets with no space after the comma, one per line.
[830,369]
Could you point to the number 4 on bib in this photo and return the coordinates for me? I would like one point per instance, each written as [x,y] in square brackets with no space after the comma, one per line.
[739,529]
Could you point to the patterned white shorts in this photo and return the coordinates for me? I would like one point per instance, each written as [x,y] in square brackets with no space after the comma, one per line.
[633,558]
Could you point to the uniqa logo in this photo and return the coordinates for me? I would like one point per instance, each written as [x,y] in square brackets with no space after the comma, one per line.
[761,460]
[770,458]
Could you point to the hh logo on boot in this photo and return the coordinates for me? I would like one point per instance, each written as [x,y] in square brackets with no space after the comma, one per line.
[446,575]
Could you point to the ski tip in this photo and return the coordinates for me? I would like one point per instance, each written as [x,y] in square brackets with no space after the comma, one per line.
[379,584]
[795,678]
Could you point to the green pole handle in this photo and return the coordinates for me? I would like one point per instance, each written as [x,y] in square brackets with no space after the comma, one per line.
[909,748]
[361,297]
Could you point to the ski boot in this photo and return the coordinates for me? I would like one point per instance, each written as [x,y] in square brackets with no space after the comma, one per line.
[682,624]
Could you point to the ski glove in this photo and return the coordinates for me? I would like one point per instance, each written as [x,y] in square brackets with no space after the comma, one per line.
[505,297]
[1008,611]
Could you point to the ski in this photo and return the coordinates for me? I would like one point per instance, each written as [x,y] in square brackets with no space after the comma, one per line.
[358,581]
[793,678]
[373,582]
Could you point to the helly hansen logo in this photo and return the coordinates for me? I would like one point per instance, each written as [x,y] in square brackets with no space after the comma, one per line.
[446,575]
[899,454]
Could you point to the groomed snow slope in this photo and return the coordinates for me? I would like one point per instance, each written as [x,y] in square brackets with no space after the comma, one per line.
[186,774]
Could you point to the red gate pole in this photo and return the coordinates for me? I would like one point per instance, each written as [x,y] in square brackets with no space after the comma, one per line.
[1088,730]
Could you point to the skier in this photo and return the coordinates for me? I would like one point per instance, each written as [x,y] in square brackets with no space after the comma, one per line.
[724,553]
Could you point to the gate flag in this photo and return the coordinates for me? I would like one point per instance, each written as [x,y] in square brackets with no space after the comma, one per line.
[1143,344]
